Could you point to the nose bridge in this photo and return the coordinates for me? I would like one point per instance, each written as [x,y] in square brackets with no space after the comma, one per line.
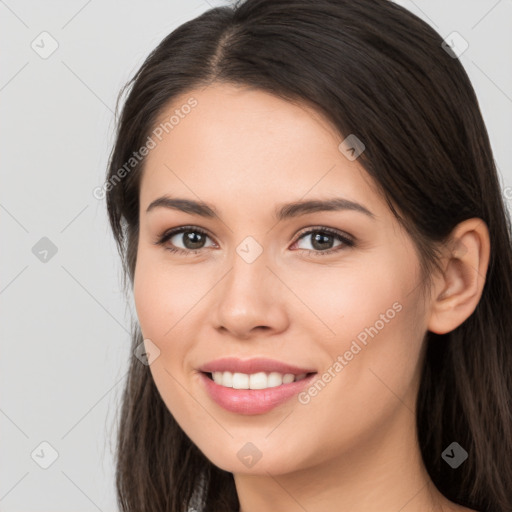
[248,277]
[247,297]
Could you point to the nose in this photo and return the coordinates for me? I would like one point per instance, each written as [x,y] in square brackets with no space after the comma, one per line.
[250,300]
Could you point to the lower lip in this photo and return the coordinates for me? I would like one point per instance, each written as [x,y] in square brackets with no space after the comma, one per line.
[252,401]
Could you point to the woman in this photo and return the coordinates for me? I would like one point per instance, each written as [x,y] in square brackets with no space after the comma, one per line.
[376,377]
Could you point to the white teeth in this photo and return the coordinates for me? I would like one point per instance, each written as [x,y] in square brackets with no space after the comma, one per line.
[227,378]
[240,381]
[274,379]
[259,380]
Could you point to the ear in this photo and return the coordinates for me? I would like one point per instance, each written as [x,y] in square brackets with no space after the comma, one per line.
[457,291]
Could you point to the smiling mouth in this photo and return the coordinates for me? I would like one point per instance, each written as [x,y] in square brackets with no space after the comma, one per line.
[259,380]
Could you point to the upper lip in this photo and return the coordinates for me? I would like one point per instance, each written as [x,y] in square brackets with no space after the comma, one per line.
[250,366]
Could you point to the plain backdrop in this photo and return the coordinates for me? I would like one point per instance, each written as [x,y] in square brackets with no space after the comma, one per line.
[65,322]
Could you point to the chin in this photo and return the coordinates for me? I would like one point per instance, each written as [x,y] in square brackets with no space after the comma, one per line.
[252,457]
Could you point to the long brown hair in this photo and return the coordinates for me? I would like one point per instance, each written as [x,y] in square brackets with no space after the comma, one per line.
[375,70]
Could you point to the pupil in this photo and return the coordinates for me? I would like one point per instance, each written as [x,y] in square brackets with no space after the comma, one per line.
[193,240]
[319,239]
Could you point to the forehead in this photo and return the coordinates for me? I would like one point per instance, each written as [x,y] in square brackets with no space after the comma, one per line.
[244,146]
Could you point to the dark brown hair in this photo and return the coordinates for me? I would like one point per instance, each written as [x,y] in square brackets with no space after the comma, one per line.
[377,71]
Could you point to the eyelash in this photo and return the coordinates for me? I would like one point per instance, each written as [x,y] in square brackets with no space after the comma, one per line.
[346,240]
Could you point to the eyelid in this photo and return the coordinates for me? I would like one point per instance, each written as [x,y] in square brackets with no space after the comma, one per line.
[325,229]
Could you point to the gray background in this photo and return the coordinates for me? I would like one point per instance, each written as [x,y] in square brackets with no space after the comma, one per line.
[65,321]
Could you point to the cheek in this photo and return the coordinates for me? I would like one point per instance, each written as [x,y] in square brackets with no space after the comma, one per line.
[162,294]
[159,309]
[147,298]
[372,317]
[167,301]
[155,296]
[345,301]
[373,367]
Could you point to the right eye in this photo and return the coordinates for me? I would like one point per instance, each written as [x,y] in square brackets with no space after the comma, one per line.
[192,238]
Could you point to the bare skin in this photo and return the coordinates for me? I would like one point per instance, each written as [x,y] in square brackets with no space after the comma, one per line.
[353,445]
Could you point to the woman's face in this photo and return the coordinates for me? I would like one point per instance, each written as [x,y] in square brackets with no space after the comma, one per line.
[278,287]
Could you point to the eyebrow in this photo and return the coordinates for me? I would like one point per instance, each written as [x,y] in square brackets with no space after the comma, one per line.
[282,212]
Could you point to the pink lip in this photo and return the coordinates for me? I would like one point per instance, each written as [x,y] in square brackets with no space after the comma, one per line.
[249,366]
[252,401]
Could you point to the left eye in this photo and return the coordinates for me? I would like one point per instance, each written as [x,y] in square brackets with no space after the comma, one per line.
[321,240]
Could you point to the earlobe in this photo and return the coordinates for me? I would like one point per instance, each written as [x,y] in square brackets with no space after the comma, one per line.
[458,290]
